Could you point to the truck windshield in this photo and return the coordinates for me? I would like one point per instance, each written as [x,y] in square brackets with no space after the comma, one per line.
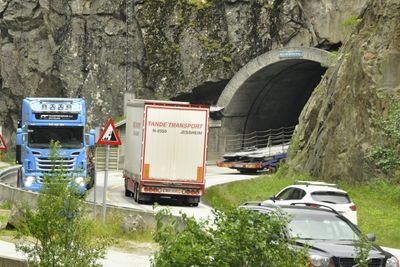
[69,137]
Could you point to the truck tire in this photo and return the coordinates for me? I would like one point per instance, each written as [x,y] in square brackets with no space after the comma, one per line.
[190,201]
[137,199]
[91,181]
[19,178]
[127,192]
[136,193]
[246,171]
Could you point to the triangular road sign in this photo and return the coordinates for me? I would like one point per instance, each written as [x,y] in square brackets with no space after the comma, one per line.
[3,145]
[109,136]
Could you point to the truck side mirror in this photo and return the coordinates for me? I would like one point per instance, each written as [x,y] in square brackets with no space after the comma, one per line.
[91,137]
[19,137]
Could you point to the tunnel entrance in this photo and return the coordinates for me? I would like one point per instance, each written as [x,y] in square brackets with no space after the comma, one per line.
[268,93]
[279,102]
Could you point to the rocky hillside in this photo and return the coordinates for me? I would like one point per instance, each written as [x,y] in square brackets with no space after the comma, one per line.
[340,123]
[183,49]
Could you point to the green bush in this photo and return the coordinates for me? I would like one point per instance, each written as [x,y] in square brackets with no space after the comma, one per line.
[237,237]
[57,233]
[387,156]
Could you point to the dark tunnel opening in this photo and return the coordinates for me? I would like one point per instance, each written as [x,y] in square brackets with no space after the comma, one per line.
[273,97]
[281,100]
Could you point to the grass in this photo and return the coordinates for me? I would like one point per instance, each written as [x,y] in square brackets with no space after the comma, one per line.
[377,202]
[6,205]
[111,229]
[8,157]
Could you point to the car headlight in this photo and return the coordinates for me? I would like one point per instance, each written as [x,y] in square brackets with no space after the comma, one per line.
[392,262]
[319,261]
[79,180]
[29,180]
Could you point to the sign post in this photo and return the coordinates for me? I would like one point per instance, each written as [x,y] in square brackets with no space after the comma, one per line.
[108,137]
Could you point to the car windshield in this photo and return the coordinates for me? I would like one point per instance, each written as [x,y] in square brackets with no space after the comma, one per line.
[69,137]
[321,226]
[331,197]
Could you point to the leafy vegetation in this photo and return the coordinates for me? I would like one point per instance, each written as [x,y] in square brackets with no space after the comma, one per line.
[57,233]
[363,248]
[236,237]
[375,200]
[351,22]
[8,157]
[387,156]
[5,205]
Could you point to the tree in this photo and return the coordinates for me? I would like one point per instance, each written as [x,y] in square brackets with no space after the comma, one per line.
[237,237]
[57,233]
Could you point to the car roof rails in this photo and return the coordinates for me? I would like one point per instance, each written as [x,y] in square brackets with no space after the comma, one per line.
[315,205]
[260,204]
[307,183]
[255,203]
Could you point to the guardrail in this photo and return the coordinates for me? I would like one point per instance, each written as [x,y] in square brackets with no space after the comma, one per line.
[8,173]
[16,195]
[259,139]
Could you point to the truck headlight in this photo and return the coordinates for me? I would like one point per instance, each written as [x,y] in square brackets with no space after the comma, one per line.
[79,180]
[392,262]
[29,180]
[319,261]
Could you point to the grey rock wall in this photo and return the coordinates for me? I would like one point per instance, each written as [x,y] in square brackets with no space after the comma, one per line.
[338,126]
[100,49]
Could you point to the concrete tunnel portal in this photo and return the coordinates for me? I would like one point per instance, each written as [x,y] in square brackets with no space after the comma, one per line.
[269,92]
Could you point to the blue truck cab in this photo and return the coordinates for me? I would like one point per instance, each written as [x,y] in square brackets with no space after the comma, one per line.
[58,119]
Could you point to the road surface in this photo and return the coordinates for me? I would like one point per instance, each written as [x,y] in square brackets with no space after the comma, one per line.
[116,193]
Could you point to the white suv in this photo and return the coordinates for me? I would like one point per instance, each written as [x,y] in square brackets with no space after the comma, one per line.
[320,193]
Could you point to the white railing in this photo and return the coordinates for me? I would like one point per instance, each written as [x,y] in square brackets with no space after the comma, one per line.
[259,139]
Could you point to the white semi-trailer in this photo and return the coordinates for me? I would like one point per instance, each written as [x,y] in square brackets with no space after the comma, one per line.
[165,150]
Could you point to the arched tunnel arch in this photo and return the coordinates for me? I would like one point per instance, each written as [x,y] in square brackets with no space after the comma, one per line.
[270,91]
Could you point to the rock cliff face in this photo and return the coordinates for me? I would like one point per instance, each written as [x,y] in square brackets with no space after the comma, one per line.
[338,126]
[182,49]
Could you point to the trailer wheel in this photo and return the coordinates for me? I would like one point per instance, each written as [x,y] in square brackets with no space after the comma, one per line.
[127,192]
[246,171]
[136,193]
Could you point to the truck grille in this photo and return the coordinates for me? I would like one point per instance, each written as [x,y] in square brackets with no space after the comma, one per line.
[350,262]
[40,179]
[46,164]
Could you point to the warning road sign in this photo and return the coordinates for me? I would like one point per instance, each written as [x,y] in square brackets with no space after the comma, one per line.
[109,136]
[3,145]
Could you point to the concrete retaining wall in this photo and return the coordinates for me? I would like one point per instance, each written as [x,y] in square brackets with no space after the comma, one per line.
[12,262]
[16,195]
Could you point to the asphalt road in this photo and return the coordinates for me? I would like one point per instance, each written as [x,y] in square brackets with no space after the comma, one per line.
[115,193]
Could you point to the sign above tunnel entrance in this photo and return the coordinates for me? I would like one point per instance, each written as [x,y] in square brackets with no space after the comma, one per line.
[291,54]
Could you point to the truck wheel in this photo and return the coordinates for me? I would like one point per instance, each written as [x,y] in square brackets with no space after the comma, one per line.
[91,182]
[136,193]
[246,171]
[19,178]
[127,192]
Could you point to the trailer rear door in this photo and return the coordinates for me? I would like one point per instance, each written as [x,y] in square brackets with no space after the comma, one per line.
[175,141]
